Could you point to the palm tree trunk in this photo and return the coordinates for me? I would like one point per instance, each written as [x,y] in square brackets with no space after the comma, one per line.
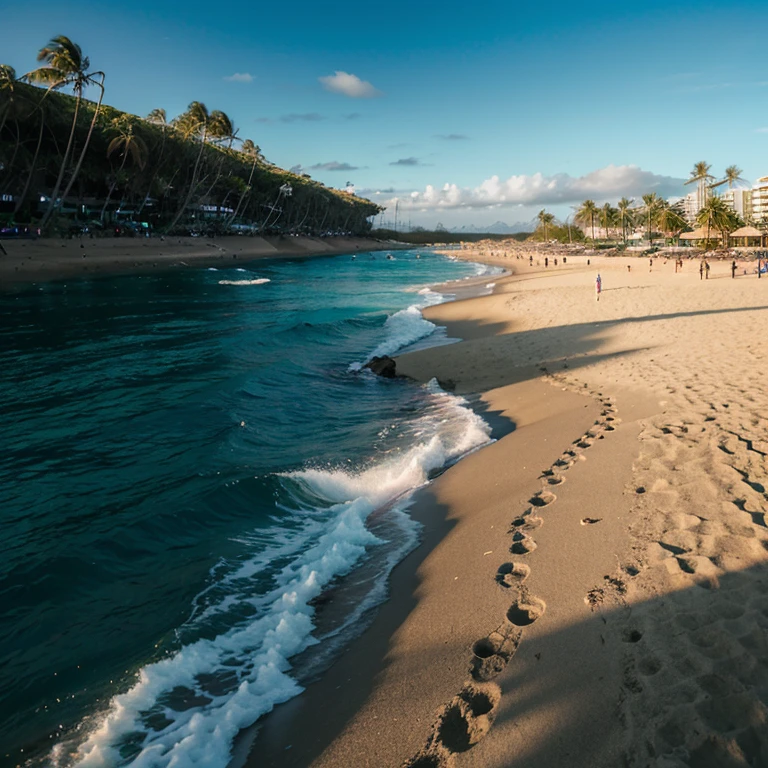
[113,185]
[87,138]
[193,183]
[31,173]
[60,178]
[245,192]
[13,156]
[154,175]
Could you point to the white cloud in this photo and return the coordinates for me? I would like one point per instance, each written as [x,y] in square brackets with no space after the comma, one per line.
[609,183]
[349,85]
[240,77]
[334,165]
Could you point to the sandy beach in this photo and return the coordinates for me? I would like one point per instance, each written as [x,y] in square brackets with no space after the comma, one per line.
[591,588]
[29,261]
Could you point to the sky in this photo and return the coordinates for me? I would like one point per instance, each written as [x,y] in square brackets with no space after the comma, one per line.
[466,115]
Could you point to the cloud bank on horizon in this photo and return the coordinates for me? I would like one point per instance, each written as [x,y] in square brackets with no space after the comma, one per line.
[608,183]
[349,85]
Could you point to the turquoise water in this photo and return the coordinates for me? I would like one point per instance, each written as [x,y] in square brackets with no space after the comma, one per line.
[197,484]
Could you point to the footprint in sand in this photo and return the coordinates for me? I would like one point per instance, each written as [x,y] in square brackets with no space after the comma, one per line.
[526,522]
[526,610]
[490,655]
[468,717]
[522,544]
[542,499]
[512,574]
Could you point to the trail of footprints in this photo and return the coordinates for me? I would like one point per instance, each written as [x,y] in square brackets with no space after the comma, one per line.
[468,717]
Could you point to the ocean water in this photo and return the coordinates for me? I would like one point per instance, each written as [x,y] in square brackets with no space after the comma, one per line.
[201,494]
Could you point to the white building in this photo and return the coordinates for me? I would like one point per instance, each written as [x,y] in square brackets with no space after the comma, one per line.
[739,200]
[760,200]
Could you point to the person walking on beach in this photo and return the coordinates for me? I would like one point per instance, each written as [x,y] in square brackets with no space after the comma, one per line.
[598,286]
[733,269]
[546,261]
[706,269]
[629,267]
[701,270]
[650,265]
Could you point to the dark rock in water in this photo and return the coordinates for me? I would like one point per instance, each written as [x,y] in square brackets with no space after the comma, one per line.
[383,366]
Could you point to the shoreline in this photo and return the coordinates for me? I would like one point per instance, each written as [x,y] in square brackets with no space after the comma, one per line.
[609,471]
[33,261]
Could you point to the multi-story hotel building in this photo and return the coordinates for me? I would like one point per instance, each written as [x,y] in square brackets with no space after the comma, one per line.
[759,200]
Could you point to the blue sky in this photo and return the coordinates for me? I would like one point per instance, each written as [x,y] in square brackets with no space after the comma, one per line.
[466,114]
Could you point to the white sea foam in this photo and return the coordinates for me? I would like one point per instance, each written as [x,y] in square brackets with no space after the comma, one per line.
[254,654]
[405,327]
[257,281]
[487,269]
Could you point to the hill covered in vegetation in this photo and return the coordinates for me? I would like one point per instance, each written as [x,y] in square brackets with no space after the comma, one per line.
[67,160]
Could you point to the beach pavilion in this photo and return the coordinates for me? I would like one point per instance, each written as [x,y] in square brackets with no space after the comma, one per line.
[749,236]
[700,235]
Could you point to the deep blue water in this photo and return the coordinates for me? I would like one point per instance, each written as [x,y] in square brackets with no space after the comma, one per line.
[187,467]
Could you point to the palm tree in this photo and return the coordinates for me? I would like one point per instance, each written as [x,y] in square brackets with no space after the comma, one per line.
[651,203]
[251,150]
[732,175]
[7,91]
[624,216]
[194,122]
[714,215]
[701,176]
[44,107]
[669,219]
[129,145]
[221,130]
[156,117]
[286,190]
[545,219]
[65,66]
[586,215]
[607,217]
[10,105]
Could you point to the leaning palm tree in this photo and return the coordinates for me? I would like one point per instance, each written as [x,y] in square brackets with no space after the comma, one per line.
[45,108]
[545,219]
[701,176]
[221,130]
[193,123]
[156,117]
[586,215]
[8,83]
[624,216]
[65,66]
[253,152]
[128,144]
[732,175]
